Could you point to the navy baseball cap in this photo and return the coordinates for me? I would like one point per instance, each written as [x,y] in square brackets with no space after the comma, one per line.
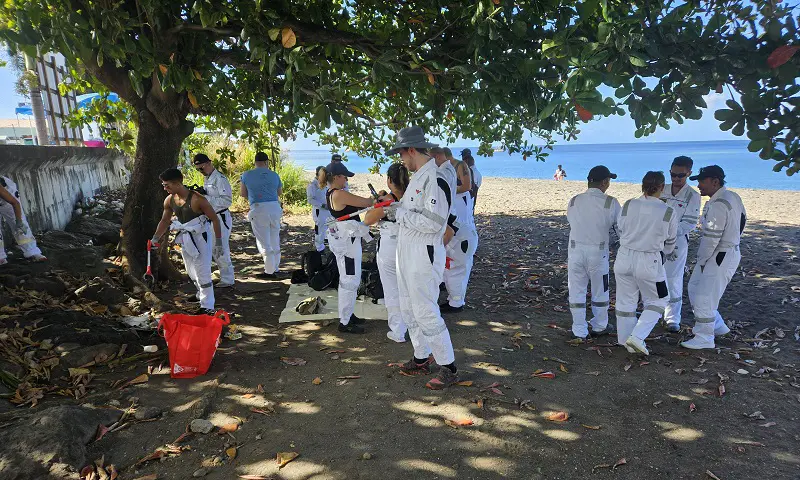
[336,157]
[338,168]
[711,171]
[599,173]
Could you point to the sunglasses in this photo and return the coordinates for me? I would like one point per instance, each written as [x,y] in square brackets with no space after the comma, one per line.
[677,175]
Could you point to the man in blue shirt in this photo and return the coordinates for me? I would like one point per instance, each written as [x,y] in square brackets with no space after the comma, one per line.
[263,188]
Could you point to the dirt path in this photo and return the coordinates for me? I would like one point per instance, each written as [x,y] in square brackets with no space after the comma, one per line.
[660,417]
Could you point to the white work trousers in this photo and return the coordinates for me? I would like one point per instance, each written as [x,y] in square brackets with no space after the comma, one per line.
[265,219]
[420,268]
[348,259]
[27,242]
[635,273]
[387,266]
[461,251]
[320,216]
[224,261]
[199,268]
[588,264]
[675,270]
[707,284]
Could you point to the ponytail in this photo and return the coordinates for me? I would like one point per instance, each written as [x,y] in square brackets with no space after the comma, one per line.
[652,183]
[398,174]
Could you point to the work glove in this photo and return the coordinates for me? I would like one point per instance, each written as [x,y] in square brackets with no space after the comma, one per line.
[21,228]
[155,242]
[673,255]
[390,213]
[199,189]
[217,251]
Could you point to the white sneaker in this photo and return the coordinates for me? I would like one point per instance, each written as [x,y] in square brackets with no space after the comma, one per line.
[721,330]
[395,338]
[629,349]
[697,343]
[637,345]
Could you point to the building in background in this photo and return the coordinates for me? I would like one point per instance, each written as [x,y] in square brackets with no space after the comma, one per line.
[17,131]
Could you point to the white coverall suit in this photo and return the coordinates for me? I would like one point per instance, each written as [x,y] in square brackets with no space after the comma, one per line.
[422,218]
[686,204]
[319,212]
[26,242]
[591,215]
[344,240]
[387,266]
[219,195]
[194,237]
[461,249]
[647,229]
[718,257]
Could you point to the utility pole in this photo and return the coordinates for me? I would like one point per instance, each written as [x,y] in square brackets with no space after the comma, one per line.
[36,101]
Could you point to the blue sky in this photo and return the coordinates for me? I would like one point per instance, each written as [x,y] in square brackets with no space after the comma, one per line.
[604,130]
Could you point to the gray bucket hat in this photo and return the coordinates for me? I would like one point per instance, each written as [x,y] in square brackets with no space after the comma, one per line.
[410,137]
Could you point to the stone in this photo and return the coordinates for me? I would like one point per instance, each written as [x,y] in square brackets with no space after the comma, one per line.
[82,356]
[201,425]
[367,456]
[100,230]
[103,292]
[147,413]
[53,286]
[201,472]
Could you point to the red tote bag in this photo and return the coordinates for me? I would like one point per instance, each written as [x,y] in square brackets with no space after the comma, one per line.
[192,341]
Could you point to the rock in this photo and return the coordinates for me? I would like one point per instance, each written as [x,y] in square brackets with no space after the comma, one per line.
[201,425]
[50,442]
[101,291]
[9,281]
[366,456]
[58,239]
[100,230]
[53,286]
[146,413]
[201,472]
[99,353]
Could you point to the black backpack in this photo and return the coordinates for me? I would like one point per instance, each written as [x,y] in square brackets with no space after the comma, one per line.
[327,275]
[312,262]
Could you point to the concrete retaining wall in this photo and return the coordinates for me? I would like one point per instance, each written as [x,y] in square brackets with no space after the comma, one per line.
[52,179]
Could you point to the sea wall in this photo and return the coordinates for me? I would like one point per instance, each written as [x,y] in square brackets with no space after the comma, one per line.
[52,179]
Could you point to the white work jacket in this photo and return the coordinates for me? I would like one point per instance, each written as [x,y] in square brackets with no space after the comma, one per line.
[723,222]
[316,196]
[422,212]
[592,215]
[646,224]
[218,191]
[686,204]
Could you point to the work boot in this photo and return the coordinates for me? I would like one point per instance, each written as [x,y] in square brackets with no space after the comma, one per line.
[443,379]
[637,345]
[355,320]
[599,333]
[411,367]
[703,337]
[350,328]
[447,308]
[223,285]
[193,298]
[673,327]
[266,276]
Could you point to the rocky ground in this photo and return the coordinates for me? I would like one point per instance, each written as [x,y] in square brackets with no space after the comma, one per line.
[79,394]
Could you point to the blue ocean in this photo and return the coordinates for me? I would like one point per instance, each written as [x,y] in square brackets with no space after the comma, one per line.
[629,161]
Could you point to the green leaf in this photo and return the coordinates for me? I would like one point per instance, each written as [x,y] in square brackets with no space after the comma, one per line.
[548,110]
[738,130]
[273,33]
[603,32]
[637,61]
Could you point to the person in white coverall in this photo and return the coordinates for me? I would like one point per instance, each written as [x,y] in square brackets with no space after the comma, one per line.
[263,189]
[397,182]
[344,240]
[592,216]
[11,212]
[647,229]
[685,201]
[718,256]
[218,192]
[316,195]
[422,217]
[192,214]
[461,248]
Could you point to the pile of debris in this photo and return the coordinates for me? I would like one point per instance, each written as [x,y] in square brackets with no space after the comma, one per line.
[107,205]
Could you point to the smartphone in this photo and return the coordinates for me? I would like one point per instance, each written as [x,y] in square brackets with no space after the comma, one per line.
[372,190]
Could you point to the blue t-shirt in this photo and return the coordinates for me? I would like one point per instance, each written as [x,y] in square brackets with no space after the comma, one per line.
[262,185]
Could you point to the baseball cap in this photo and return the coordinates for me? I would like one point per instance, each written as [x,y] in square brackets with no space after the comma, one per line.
[600,172]
[466,151]
[711,171]
[336,157]
[200,159]
[338,168]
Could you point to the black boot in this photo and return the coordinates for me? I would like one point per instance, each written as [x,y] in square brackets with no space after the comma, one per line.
[355,320]
[447,308]
[350,328]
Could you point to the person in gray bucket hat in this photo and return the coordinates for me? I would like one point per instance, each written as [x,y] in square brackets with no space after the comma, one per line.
[422,219]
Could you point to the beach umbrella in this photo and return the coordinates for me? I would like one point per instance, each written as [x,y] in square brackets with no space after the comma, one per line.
[83,101]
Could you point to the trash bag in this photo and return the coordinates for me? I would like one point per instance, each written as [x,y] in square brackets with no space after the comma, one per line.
[192,341]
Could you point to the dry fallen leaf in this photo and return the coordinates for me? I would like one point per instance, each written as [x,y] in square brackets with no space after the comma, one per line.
[657,403]
[563,368]
[231,427]
[316,381]
[294,361]
[711,475]
[231,452]
[152,476]
[546,374]
[248,395]
[496,391]
[262,411]
[620,462]
[260,388]
[288,38]
[74,372]
[461,422]
[558,417]
[349,377]
[721,390]
[253,477]
[591,427]
[769,424]
[143,378]
[692,408]
[465,383]
[285,457]
[627,367]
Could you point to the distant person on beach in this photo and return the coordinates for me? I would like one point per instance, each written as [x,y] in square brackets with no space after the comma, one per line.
[560,174]
[336,158]
[218,192]
[685,201]
[316,195]
[718,256]
[647,230]
[397,181]
[477,178]
[11,212]
[263,189]
[591,215]
[344,240]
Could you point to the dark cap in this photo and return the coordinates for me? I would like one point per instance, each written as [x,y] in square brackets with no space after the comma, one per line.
[336,157]
[338,168]
[600,173]
[261,157]
[200,159]
[466,151]
[711,171]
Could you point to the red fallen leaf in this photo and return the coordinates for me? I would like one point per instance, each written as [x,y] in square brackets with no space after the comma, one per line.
[621,461]
[544,375]
[692,408]
[231,427]
[394,364]
[495,384]
[261,411]
[461,422]
[584,114]
[781,55]
[496,391]
[101,432]
[87,470]
[558,417]
[644,363]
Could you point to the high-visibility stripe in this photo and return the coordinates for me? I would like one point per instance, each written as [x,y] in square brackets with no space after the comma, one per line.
[609,201]
[206,285]
[670,241]
[655,308]
[625,208]
[712,235]
[432,216]
[577,305]
[725,202]
[690,218]
[668,214]
[626,314]
[599,304]
[703,320]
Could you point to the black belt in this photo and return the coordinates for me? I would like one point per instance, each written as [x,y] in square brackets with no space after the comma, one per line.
[222,211]
[223,217]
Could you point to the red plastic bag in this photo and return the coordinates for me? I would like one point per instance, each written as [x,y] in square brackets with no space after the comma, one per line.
[192,341]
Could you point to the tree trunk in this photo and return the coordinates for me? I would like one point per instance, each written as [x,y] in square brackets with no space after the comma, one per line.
[157,148]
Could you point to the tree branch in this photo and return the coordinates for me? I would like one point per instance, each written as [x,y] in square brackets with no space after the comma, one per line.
[220,32]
